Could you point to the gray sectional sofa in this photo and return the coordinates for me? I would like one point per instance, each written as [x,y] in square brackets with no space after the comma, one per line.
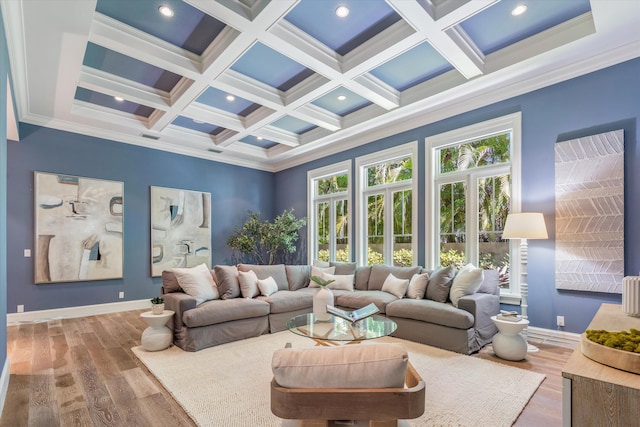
[432,320]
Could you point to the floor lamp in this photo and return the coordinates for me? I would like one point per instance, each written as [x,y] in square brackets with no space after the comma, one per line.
[523,226]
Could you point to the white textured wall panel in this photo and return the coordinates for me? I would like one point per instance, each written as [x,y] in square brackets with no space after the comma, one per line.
[590,213]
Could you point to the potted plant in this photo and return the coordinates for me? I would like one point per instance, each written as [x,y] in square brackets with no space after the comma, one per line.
[322,299]
[157,305]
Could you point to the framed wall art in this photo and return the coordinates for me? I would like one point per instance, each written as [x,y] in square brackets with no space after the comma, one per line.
[590,213]
[78,228]
[180,229]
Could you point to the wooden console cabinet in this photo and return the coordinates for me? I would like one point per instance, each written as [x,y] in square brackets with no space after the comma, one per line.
[594,394]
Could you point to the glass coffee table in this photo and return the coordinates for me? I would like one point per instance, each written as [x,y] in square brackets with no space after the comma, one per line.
[337,329]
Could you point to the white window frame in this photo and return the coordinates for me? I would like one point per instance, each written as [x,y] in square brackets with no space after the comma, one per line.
[362,163]
[313,176]
[512,123]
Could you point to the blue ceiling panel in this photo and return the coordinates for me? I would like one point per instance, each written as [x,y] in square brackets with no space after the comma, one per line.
[294,125]
[495,27]
[218,99]
[109,101]
[188,123]
[262,143]
[129,68]
[270,67]
[319,20]
[351,103]
[188,28]
[414,66]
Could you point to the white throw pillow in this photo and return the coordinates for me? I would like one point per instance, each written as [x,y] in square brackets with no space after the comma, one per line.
[197,282]
[248,284]
[395,286]
[267,286]
[317,271]
[343,282]
[418,286]
[466,282]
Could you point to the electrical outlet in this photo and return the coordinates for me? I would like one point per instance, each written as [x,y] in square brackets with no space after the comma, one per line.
[121,295]
[20,308]
[560,321]
[27,253]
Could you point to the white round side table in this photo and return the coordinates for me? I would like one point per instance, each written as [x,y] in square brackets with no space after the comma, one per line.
[157,336]
[508,343]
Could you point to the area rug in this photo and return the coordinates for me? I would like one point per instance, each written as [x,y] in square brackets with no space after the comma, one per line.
[228,385]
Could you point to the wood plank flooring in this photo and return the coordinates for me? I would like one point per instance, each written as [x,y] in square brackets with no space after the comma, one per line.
[82,372]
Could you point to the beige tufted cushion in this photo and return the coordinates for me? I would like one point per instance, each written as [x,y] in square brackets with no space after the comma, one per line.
[381,365]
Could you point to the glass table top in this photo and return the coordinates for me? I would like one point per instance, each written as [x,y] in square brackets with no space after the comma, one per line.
[339,329]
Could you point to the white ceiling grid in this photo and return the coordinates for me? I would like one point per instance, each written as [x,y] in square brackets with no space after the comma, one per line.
[46,59]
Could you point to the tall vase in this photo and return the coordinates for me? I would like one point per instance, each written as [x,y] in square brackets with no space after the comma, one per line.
[321,300]
[631,296]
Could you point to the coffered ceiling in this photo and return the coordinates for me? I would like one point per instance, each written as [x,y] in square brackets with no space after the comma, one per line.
[271,84]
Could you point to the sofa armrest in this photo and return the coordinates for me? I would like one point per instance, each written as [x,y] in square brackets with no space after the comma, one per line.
[482,307]
[179,302]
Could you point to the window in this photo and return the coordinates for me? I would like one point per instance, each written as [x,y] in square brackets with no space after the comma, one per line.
[474,183]
[386,198]
[329,219]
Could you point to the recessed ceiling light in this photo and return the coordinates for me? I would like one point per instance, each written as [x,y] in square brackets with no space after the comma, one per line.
[118,98]
[342,11]
[341,97]
[259,138]
[519,10]
[166,11]
[231,98]
[198,122]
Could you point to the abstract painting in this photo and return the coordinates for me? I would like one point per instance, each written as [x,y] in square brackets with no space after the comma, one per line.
[78,228]
[590,213]
[180,229]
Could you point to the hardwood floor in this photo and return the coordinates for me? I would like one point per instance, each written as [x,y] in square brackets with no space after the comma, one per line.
[82,372]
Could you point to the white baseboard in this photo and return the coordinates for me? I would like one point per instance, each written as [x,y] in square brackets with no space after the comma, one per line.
[4,382]
[80,311]
[553,337]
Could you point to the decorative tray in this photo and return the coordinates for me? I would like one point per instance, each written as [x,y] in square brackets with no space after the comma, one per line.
[619,359]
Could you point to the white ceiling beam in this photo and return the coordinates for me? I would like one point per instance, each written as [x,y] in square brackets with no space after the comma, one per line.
[453,12]
[106,83]
[129,41]
[462,54]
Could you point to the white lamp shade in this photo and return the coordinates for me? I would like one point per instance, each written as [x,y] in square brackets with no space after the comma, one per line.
[525,225]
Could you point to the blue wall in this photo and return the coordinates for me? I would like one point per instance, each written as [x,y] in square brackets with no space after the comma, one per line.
[4,72]
[234,190]
[605,100]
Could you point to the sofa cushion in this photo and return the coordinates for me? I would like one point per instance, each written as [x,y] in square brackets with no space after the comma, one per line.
[359,299]
[298,276]
[170,282]
[343,282]
[418,286]
[228,284]
[380,272]
[440,284]
[277,271]
[321,264]
[220,311]
[197,282]
[350,366]
[425,310]
[466,282]
[395,286]
[490,283]
[248,284]
[287,301]
[343,267]
[318,271]
[267,286]
[362,277]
